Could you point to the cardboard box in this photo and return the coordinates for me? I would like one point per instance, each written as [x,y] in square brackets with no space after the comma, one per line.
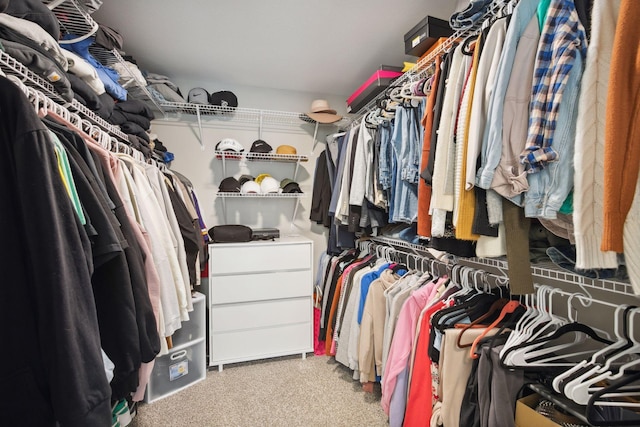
[424,34]
[526,415]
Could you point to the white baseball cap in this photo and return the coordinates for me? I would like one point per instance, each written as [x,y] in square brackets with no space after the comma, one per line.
[269,185]
[229,144]
[250,187]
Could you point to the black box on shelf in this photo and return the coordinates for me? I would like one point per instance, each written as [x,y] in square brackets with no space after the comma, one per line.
[424,34]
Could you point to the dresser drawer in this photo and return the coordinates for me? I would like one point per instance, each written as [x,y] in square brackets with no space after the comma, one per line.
[252,257]
[239,346]
[260,286]
[263,314]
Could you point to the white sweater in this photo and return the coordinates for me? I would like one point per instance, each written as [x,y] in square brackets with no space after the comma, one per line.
[588,214]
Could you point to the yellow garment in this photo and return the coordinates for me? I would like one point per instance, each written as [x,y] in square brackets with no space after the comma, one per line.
[467,200]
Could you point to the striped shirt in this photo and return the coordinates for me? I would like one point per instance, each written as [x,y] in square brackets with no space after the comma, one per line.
[563,38]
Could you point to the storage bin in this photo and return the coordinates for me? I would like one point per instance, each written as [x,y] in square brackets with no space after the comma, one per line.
[177,370]
[379,81]
[194,329]
[424,34]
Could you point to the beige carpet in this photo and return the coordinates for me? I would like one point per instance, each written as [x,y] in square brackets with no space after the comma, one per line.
[277,392]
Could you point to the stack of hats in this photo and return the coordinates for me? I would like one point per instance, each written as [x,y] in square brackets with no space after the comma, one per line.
[223,98]
[268,184]
[290,186]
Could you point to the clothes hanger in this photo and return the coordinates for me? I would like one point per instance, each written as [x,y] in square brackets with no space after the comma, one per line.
[509,308]
[530,353]
[584,365]
[496,306]
[586,370]
[618,390]
[580,390]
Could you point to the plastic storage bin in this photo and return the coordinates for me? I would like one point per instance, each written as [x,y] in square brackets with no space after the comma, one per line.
[177,370]
[194,329]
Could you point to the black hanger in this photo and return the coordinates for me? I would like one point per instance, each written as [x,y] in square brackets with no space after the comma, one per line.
[591,411]
[466,45]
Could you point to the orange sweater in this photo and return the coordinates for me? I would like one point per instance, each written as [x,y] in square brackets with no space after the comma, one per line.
[424,190]
[622,127]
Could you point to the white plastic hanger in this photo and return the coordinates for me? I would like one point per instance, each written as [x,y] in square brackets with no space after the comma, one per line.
[580,389]
[593,361]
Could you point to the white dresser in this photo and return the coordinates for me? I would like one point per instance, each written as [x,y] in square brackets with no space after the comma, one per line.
[260,300]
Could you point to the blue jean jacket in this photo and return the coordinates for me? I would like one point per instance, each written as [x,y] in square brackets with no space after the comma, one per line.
[549,187]
[492,138]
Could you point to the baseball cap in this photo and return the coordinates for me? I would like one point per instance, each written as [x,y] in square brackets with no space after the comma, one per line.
[269,185]
[262,176]
[290,186]
[229,185]
[198,95]
[245,178]
[250,187]
[229,144]
[260,146]
[223,98]
[286,149]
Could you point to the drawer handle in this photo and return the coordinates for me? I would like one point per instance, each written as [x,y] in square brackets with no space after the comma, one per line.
[178,355]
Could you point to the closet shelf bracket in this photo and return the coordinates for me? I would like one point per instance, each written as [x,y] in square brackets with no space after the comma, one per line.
[201,139]
[315,138]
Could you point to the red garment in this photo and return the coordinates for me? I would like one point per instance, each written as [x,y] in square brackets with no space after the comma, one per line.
[420,397]
[318,346]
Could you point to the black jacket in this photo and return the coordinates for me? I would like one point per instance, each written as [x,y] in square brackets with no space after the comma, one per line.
[50,338]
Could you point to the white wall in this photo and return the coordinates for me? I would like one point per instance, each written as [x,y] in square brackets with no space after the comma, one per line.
[181,136]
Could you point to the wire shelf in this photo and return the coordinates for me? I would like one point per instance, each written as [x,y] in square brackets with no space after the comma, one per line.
[266,157]
[13,67]
[262,195]
[73,19]
[542,270]
[239,114]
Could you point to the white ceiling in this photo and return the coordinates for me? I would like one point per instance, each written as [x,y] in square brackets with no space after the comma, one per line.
[321,46]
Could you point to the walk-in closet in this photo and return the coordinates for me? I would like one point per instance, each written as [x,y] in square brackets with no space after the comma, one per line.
[409,214]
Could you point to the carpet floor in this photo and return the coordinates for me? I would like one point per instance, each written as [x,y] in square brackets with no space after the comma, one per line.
[277,392]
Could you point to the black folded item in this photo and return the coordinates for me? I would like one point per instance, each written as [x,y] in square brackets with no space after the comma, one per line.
[119,117]
[34,11]
[83,90]
[265,234]
[106,108]
[135,106]
[108,38]
[230,233]
[134,129]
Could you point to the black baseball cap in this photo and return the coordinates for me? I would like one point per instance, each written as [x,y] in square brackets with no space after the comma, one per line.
[224,98]
[229,185]
[260,146]
[290,186]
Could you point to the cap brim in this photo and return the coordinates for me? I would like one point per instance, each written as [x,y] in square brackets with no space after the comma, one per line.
[324,117]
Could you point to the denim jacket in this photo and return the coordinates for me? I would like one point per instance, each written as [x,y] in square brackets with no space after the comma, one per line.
[492,139]
[549,187]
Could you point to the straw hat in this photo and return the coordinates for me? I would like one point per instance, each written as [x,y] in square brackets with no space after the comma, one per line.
[321,112]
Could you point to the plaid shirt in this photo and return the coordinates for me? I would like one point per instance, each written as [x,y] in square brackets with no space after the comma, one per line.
[563,38]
